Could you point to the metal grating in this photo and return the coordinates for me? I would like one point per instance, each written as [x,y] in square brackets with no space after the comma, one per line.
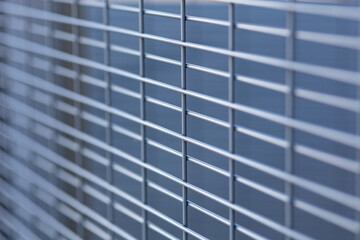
[179,120]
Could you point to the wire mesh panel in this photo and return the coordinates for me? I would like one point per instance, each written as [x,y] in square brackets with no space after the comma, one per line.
[226,119]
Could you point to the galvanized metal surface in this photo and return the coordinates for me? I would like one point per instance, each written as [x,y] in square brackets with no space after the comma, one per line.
[179,120]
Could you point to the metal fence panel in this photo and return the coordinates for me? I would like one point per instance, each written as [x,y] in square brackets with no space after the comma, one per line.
[226,119]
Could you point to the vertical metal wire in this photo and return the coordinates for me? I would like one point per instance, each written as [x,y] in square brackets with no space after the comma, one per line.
[31,123]
[143,117]
[357,125]
[77,89]
[3,174]
[2,92]
[231,98]
[289,112]
[108,102]
[48,5]
[286,228]
[184,118]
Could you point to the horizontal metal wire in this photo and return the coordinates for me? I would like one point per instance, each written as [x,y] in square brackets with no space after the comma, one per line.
[262,189]
[67,133]
[331,134]
[320,71]
[341,198]
[351,226]
[100,182]
[346,12]
[207,193]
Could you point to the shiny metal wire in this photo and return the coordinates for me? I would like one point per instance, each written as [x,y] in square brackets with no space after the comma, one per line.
[39,36]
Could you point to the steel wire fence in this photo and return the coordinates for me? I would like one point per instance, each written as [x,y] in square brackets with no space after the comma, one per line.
[227,119]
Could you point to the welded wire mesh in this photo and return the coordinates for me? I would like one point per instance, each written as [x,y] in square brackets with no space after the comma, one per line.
[227,119]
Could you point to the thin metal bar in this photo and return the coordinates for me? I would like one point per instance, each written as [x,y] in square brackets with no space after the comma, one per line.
[321,212]
[207,20]
[139,219]
[331,217]
[30,176]
[122,7]
[329,39]
[263,29]
[108,117]
[95,157]
[328,99]
[340,75]
[357,130]
[51,110]
[344,102]
[240,209]
[31,95]
[331,159]
[249,132]
[64,1]
[68,212]
[184,162]
[3,119]
[263,189]
[92,42]
[165,191]
[324,132]
[162,232]
[16,225]
[242,180]
[342,12]
[250,80]
[36,210]
[94,119]
[330,193]
[162,14]
[96,194]
[143,148]
[96,230]
[100,4]
[119,207]
[84,78]
[231,115]
[290,113]
[77,88]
